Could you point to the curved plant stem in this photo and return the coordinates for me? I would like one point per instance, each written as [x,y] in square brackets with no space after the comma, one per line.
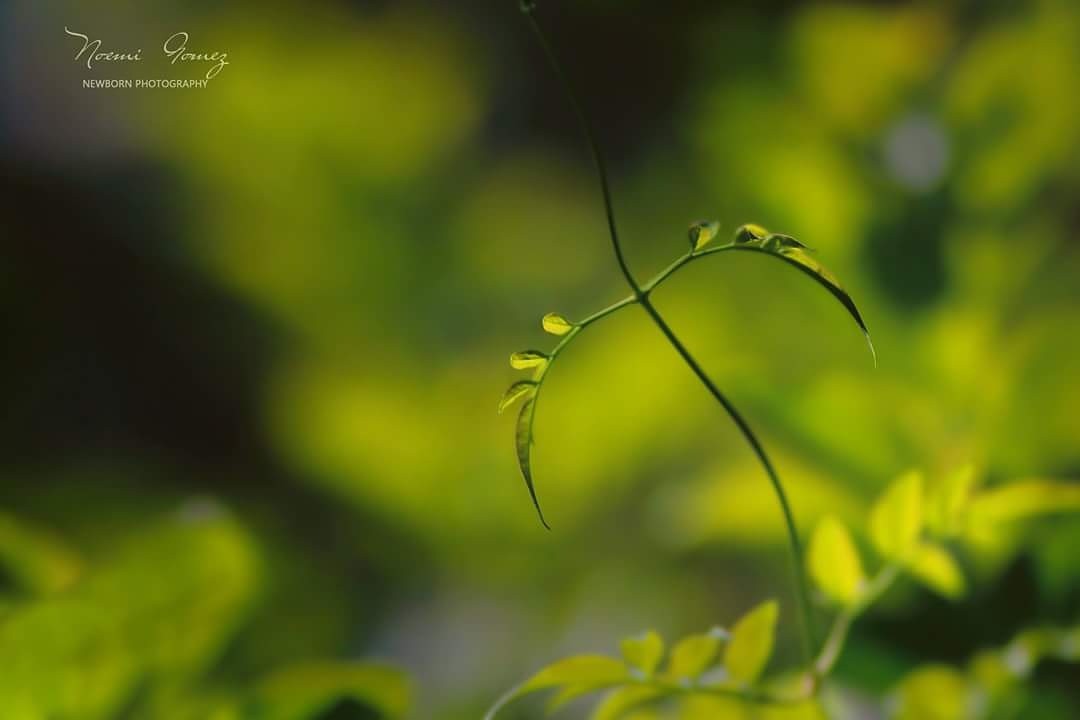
[640,295]
[802,589]
[598,158]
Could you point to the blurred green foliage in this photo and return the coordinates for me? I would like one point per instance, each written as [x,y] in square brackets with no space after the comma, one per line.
[338,239]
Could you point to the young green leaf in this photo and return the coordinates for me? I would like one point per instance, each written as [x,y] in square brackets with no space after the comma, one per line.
[519,389]
[751,643]
[597,671]
[556,324]
[643,652]
[749,233]
[692,655]
[702,233]
[834,562]
[525,359]
[619,702]
[935,567]
[523,440]
[1023,499]
[947,505]
[933,692]
[896,519]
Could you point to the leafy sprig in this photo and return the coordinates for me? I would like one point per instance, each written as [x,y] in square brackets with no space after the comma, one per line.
[912,529]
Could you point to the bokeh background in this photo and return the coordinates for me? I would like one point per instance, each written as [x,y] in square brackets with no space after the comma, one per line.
[254,334]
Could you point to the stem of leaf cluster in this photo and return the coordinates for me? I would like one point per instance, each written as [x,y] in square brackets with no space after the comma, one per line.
[834,642]
[641,296]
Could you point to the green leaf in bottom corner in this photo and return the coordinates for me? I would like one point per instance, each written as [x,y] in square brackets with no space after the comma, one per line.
[834,562]
[897,518]
[572,674]
[303,692]
[643,652]
[933,566]
[693,655]
[751,644]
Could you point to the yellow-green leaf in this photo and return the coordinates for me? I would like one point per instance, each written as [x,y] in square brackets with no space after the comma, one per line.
[948,503]
[702,233]
[749,233]
[644,652]
[515,391]
[896,519]
[622,700]
[934,692]
[834,562]
[936,568]
[751,643]
[523,440]
[1023,499]
[596,671]
[525,359]
[692,655]
[556,324]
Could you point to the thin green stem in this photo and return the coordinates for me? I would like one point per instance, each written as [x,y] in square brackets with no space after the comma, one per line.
[801,587]
[599,314]
[590,136]
[834,642]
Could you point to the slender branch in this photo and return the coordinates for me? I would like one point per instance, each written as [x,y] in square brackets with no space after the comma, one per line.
[590,136]
[600,314]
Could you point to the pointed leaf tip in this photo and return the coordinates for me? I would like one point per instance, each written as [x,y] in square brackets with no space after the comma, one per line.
[751,643]
[702,233]
[644,651]
[834,562]
[693,655]
[897,517]
[525,359]
[556,324]
[523,441]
